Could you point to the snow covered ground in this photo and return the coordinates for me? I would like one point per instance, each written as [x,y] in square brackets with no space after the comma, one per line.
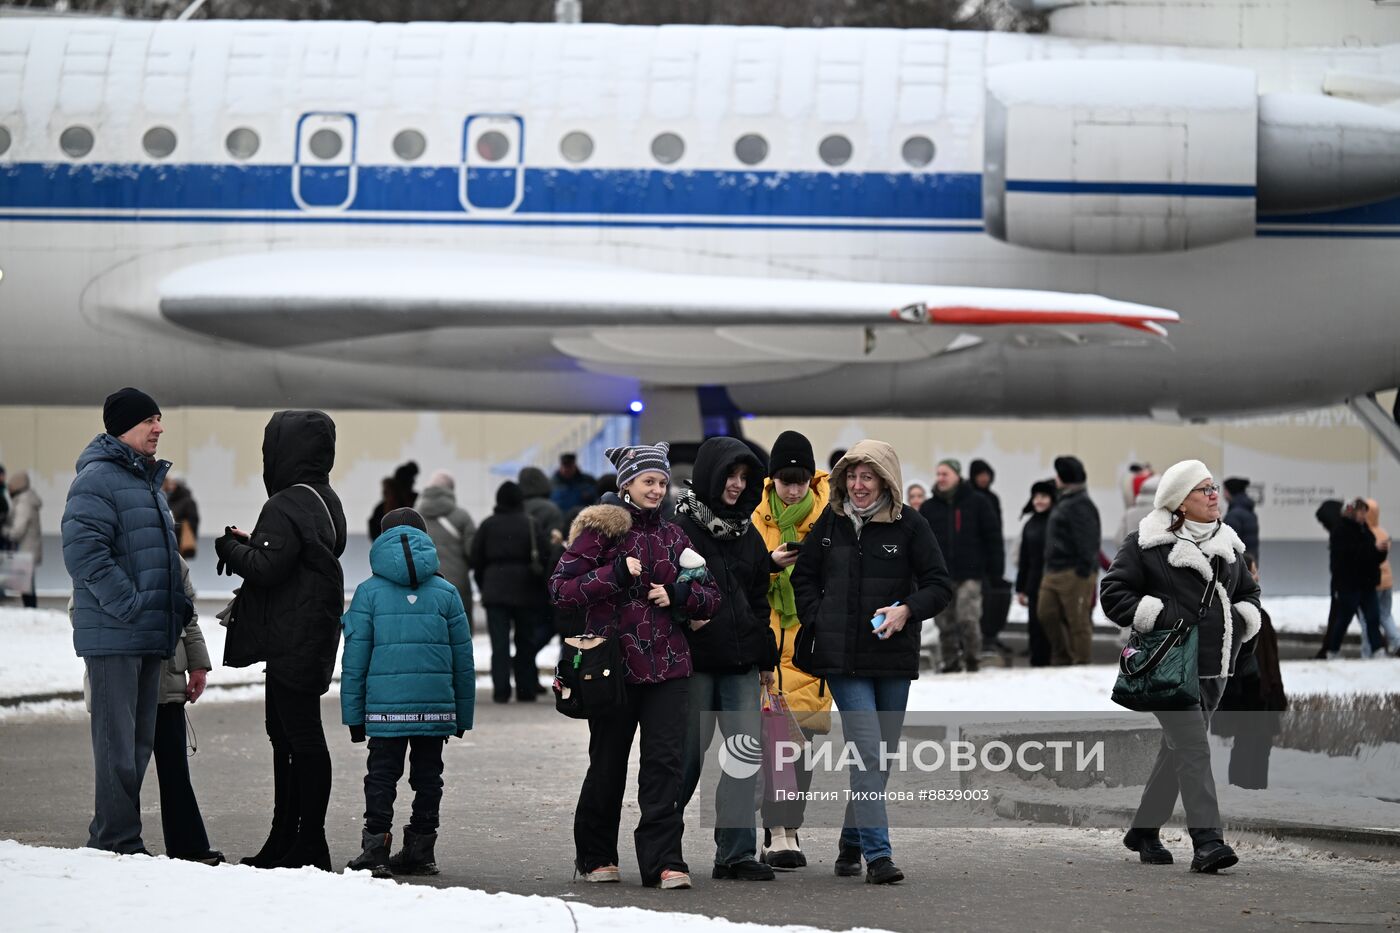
[62,890]
[38,659]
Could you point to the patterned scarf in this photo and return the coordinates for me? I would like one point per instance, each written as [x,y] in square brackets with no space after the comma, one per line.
[859,517]
[688,503]
[789,517]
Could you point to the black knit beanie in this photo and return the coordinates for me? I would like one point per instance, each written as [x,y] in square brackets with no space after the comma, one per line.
[125,409]
[792,449]
[1070,470]
[402,517]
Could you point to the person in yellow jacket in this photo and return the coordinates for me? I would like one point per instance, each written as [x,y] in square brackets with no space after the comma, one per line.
[794,495]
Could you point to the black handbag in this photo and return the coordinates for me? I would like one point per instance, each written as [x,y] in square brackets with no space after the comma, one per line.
[1157,671]
[588,680]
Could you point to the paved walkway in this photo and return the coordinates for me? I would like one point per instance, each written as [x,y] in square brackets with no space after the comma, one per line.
[507,826]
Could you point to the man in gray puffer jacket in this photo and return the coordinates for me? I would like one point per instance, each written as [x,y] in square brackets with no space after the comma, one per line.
[129,604]
[452,529]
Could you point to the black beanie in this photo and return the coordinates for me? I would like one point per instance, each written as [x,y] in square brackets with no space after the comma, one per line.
[792,450]
[1070,470]
[1236,485]
[125,409]
[509,496]
[402,517]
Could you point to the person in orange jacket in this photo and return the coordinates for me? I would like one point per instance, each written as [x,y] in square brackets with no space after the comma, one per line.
[794,495]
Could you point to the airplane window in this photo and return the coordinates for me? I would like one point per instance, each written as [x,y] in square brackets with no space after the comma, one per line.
[835,150]
[242,143]
[918,151]
[667,148]
[409,145]
[158,142]
[751,149]
[492,146]
[576,146]
[4,140]
[326,144]
[76,141]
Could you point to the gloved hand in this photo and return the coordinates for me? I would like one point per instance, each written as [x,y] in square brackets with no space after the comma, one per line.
[357,733]
[461,732]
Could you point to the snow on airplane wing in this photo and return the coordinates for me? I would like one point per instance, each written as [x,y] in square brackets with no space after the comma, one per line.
[613,319]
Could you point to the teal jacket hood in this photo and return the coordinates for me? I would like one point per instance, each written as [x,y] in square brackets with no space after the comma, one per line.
[404,555]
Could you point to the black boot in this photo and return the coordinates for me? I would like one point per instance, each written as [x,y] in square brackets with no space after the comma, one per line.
[416,857]
[848,862]
[1212,856]
[374,857]
[284,812]
[312,768]
[883,871]
[1147,843]
[747,870]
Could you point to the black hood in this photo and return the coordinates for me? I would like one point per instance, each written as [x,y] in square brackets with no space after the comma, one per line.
[298,447]
[714,461]
[509,497]
[1329,513]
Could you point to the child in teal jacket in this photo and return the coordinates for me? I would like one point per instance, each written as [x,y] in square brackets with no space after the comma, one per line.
[407,681]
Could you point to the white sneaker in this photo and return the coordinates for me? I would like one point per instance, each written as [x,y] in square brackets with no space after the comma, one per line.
[605,874]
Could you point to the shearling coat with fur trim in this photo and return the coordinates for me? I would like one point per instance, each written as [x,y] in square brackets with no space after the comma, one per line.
[1159,577]
[592,576]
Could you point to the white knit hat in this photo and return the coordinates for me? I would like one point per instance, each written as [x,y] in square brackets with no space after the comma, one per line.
[1176,484]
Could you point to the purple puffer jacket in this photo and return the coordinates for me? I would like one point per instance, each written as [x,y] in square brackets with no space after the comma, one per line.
[591,576]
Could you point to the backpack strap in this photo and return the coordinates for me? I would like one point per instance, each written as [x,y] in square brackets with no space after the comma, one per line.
[330,518]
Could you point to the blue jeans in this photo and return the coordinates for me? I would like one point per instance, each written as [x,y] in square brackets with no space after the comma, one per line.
[1388,628]
[731,701]
[857,699]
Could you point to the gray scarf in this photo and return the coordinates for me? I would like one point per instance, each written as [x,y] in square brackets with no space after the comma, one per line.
[859,517]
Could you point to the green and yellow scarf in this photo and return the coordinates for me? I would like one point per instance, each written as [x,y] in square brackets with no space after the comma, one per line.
[789,518]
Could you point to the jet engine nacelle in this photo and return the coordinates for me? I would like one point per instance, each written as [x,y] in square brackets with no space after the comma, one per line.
[1120,156]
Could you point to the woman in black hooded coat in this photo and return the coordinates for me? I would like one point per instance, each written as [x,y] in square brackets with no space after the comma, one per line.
[734,650]
[288,615]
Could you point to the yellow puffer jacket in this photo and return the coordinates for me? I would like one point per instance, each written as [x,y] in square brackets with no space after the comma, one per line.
[809,703]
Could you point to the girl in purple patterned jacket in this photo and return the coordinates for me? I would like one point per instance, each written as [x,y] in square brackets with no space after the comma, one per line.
[621,570]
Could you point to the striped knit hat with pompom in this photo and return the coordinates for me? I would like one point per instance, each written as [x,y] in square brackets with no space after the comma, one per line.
[632,462]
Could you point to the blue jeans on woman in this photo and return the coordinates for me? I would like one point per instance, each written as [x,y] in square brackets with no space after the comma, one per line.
[872,717]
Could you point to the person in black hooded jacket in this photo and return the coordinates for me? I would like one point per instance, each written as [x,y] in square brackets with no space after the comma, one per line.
[288,615]
[734,650]
[511,563]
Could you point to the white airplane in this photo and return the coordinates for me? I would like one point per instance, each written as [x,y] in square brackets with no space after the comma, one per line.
[583,218]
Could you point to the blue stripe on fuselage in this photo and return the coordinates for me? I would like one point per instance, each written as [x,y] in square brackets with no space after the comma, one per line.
[435,190]
[624,197]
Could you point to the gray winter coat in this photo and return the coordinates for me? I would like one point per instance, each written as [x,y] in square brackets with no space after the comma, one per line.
[452,530]
[22,526]
[1159,577]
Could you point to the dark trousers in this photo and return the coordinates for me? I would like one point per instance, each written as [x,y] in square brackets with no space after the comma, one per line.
[996,606]
[1183,769]
[660,711]
[499,620]
[180,819]
[1039,642]
[125,694]
[385,767]
[1347,602]
[30,600]
[301,762]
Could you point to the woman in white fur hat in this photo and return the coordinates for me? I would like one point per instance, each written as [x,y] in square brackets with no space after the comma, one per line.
[1163,573]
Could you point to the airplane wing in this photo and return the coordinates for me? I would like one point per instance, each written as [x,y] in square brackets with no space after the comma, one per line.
[649,325]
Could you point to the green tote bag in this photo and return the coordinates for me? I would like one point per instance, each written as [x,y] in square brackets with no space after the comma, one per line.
[1157,671]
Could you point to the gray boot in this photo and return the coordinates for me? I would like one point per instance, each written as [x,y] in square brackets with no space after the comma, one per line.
[416,856]
[375,857]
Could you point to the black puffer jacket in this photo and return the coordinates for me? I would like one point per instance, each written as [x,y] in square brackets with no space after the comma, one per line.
[1030,568]
[841,579]
[968,530]
[737,638]
[1356,561]
[293,590]
[501,555]
[1158,577]
[1074,536]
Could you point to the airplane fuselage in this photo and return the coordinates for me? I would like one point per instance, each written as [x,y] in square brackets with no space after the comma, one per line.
[135,149]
